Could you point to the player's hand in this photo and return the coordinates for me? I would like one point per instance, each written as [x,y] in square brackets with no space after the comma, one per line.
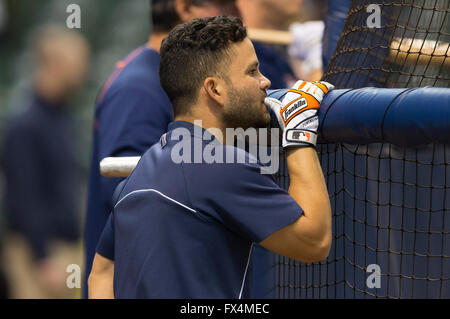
[297,114]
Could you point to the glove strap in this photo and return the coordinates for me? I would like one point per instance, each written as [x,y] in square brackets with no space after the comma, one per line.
[299,137]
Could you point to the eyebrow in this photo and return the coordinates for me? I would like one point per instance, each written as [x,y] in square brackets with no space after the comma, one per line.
[253,65]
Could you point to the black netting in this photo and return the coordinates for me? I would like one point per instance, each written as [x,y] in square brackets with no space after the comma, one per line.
[410,49]
[391,205]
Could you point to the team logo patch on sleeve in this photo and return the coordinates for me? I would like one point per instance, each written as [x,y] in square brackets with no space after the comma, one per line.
[293,108]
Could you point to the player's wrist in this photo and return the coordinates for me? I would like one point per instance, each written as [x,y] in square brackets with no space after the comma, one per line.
[299,138]
[292,147]
[297,158]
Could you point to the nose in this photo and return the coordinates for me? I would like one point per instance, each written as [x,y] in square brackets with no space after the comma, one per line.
[265,82]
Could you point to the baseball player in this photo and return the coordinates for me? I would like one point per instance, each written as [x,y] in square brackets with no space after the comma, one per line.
[132,110]
[187,229]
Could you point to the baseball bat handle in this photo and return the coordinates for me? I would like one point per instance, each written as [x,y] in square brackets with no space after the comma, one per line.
[118,166]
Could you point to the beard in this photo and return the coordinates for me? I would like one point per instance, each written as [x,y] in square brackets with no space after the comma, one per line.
[245,111]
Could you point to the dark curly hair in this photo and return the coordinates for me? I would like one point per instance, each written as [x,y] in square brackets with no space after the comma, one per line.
[194,51]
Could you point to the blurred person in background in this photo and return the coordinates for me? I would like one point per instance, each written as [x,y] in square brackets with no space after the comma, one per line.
[304,56]
[4,286]
[4,289]
[133,111]
[42,177]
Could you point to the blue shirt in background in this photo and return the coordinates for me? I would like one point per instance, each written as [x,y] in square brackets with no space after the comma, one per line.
[131,114]
[42,176]
[274,66]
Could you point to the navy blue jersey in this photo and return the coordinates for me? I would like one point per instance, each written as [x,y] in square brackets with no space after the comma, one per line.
[187,230]
[132,112]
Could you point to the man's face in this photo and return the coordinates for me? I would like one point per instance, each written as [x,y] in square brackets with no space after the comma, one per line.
[74,65]
[246,89]
[67,62]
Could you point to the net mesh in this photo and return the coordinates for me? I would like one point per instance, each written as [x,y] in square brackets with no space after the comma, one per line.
[391,204]
[410,48]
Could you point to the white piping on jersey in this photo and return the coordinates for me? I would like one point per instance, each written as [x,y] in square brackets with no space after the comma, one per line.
[245,273]
[194,211]
[159,193]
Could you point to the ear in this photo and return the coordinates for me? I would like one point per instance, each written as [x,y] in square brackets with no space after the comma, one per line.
[184,9]
[215,89]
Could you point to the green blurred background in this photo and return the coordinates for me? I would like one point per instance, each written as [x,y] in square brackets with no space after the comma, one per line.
[112,27]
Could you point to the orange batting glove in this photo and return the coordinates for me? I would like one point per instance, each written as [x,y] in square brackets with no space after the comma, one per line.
[297,113]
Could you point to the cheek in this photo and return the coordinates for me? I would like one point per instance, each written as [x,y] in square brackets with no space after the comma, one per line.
[253,90]
[74,74]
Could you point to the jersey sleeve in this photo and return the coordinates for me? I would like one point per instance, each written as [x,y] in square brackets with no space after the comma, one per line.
[105,246]
[244,200]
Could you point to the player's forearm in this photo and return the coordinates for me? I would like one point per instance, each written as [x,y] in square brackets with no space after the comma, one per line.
[100,287]
[101,279]
[308,188]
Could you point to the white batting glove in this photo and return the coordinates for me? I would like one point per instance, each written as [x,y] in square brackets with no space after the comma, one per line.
[297,114]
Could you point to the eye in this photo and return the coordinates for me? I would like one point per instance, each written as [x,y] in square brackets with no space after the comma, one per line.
[253,72]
